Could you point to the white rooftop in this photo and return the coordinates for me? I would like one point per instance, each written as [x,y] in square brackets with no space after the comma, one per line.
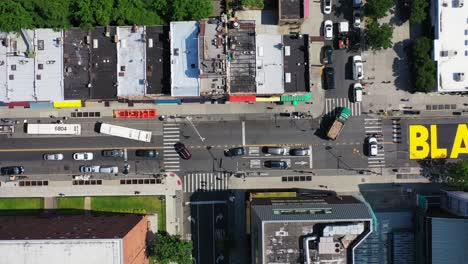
[60,251]
[131,61]
[39,78]
[184,59]
[270,73]
[451,45]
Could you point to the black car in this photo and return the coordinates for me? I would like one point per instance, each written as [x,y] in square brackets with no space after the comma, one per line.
[148,153]
[327,55]
[118,153]
[329,75]
[276,164]
[299,152]
[234,152]
[12,170]
[182,151]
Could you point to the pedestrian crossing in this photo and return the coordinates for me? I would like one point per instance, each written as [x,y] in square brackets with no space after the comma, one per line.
[217,181]
[171,135]
[396,128]
[332,103]
[373,128]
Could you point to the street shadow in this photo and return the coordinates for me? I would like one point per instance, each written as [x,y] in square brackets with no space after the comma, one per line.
[401,66]
[351,93]
[349,69]
[269,17]
[435,170]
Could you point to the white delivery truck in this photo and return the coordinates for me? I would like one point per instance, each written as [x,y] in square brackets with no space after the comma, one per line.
[53,129]
[125,132]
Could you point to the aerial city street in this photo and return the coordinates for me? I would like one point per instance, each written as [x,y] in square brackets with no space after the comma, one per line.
[233,131]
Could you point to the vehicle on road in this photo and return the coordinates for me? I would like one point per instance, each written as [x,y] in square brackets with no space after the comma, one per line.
[125,132]
[82,177]
[357,3]
[148,153]
[83,156]
[118,153]
[53,129]
[343,35]
[357,19]
[358,68]
[235,152]
[90,169]
[276,164]
[357,92]
[328,30]
[299,152]
[327,55]
[53,156]
[340,120]
[275,150]
[182,151]
[109,169]
[7,129]
[329,75]
[373,146]
[327,6]
[10,170]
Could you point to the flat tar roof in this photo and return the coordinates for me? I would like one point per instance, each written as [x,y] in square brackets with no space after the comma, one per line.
[103,63]
[297,63]
[76,54]
[131,61]
[270,77]
[184,58]
[451,45]
[157,60]
[292,9]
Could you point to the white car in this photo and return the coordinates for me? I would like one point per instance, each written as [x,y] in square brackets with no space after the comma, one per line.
[83,156]
[82,177]
[53,156]
[109,169]
[358,68]
[373,146]
[357,92]
[357,20]
[328,29]
[327,6]
[89,169]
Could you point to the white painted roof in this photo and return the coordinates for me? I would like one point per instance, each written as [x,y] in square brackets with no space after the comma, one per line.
[60,251]
[270,77]
[451,45]
[184,58]
[131,54]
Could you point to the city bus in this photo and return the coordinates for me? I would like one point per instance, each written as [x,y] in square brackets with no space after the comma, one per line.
[125,132]
[53,129]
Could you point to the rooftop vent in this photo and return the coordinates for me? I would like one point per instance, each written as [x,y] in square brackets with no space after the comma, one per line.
[459,76]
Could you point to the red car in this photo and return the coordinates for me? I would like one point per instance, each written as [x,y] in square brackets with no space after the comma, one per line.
[182,151]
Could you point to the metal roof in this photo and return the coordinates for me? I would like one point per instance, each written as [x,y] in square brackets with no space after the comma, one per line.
[449,240]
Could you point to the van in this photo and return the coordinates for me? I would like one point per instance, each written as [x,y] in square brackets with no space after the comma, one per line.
[275,150]
[357,92]
[276,164]
[109,169]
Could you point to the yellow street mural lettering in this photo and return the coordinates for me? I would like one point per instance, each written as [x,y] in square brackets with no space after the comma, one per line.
[418,136]
[460,144]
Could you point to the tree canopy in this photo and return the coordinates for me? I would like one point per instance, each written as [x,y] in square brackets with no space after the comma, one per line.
[458,174]
[171,249]
[379,36]
[418,11]
[378,8]
[424,68]
[14,16]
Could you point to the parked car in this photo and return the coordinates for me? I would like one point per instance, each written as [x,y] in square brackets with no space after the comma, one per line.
[328,30]
[373,146]
[117,153]
[90,169]
[358,71]
[10,170]
[357,92]
[182,151]
[109,169]
[53,156]
[299,152]
[357,3]
[276,164]
[148,153]
[83,156]
[234,152]
[327,6]
[82,177]
[357,19]
[275,150]
[327,55]
[329,75]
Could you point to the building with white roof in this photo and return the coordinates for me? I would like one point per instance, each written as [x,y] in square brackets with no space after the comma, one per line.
[450,19]
[270,73]
[184,58]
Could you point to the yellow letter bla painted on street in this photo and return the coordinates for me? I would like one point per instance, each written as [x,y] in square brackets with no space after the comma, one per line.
[436,152]
[460,144]
[418,146]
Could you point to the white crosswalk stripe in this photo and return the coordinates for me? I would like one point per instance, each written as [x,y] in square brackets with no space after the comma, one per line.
[332,103]
[217,181]
[171,135]
[373,126]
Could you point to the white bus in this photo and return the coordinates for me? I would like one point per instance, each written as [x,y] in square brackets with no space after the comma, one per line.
[54,129]
[125,132]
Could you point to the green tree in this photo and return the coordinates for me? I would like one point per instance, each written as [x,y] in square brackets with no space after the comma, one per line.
[418,11]
[379,36]
[458,174]
[102,11]
[140,12]
[171,249]
[253,4]
[424,68]
[13,16]
[83,14]
[48,14]
[378,8]
[190,9]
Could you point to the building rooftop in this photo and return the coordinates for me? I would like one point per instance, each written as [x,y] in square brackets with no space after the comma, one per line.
[291,9]
[103,69]
[451,45]
[449,240]
[131,61]
[34,78]
[184,58]
[270,76]
[296,63]
[157,60]
[242,49]
[76,63]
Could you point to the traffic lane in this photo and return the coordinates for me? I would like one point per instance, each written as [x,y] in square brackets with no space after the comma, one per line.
[252,163]
[203,233]
[345,157]
[213,133]
[208,159]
